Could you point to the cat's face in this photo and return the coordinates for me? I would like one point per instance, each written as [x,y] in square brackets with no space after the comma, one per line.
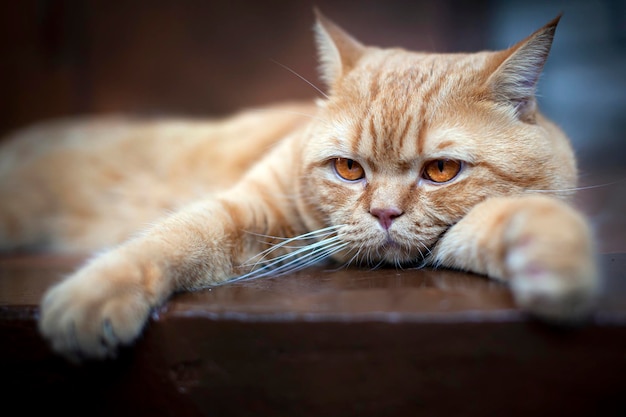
[408,143]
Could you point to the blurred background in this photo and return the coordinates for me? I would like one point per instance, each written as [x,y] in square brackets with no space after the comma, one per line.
[209,58]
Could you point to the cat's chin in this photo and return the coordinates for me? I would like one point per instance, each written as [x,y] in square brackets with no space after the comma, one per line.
[388,252]
[395,254]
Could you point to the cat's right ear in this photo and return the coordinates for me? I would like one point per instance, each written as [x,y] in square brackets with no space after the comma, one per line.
[338,51]
[515,79]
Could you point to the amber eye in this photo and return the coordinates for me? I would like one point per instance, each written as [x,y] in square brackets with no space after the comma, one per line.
[441,170]
[348,169]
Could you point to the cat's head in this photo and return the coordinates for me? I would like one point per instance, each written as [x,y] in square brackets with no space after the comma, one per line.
[407,143]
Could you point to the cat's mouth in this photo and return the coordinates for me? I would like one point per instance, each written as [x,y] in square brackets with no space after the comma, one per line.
[391,244]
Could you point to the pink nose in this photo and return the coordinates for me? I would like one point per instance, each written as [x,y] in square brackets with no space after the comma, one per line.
[386,216]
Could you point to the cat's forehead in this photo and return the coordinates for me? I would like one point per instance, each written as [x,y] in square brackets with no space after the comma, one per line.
[394,83]
[400,106]
[402,143]
[397,68]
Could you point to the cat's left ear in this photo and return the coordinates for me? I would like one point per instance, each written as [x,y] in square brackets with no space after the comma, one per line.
[338,51]
[515,79]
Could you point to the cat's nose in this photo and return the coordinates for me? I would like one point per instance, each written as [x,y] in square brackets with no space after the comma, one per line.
[386,216]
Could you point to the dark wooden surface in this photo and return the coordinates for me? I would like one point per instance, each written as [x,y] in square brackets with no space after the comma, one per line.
[331,343]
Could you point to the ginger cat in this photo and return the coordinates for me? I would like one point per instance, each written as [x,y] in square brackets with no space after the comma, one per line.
[412,159]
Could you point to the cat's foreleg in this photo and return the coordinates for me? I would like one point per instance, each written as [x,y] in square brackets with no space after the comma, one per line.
[541,246]
[107,302]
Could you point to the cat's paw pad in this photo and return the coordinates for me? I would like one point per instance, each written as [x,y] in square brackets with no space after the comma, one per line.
[92,313]
[551,264]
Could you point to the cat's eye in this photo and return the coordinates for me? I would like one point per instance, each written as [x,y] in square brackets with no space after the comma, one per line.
[441,170]
[348,169]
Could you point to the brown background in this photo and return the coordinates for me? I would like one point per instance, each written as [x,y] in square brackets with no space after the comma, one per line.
[190,57]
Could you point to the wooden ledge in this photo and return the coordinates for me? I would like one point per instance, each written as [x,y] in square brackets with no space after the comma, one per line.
[332,343]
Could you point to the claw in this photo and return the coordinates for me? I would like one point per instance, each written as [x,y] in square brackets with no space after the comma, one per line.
[108,335]
[73,344]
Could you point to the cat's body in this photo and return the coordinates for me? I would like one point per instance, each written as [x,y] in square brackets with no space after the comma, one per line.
[412,159]
[95,182]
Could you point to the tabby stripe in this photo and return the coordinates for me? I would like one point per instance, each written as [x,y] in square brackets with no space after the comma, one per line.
[434,89]
[445,144]
[421,130]
[358,136]
[374,85]
[526,181]
[374,90]
[405,129]
[372,131]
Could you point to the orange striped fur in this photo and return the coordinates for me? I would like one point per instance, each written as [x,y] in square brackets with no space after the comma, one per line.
[183,204]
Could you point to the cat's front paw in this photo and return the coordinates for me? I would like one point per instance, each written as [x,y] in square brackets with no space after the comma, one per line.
[550,261]
[95,311]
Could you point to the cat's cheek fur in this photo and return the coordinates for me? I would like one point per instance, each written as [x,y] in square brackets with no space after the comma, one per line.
[327,199]
[542,247]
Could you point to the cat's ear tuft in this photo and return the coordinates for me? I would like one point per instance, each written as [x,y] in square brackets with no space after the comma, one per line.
[338,51]
[515,79]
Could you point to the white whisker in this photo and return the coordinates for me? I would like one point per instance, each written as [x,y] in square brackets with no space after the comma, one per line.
[305,262]
[319,234]
[309,235]
[303,258]
[324,247]
[572,190]
[302,78]
[292,254]
[301,251]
